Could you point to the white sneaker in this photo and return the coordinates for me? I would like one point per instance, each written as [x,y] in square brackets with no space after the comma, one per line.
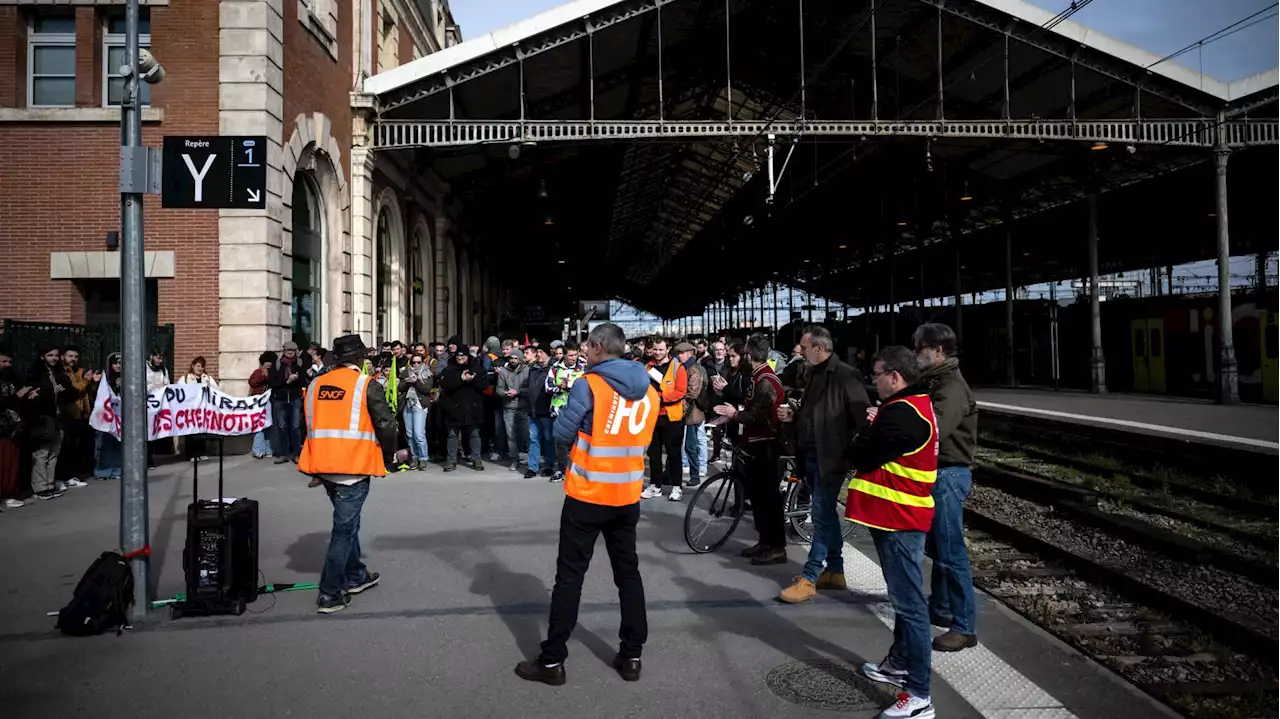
[73,482]
[60,486]
[14,503]
[651,491]
[909,706]
[493,457]
[675,494]
[885,672]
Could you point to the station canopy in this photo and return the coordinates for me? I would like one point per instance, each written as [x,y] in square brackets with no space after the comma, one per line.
[622,149]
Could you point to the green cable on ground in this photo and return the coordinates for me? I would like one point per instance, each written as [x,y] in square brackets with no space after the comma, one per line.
[268,589]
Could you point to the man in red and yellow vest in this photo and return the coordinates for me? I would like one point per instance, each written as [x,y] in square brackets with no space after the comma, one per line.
[671,381]
[351,432]
[896,463]
[609,421]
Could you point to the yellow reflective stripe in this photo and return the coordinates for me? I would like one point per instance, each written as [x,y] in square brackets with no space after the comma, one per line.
[890,495]
[915,475]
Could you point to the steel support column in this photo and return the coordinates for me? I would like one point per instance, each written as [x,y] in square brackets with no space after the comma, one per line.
[775,308]
[1097,362]
[1228,389]
[1011,373]
[959,302]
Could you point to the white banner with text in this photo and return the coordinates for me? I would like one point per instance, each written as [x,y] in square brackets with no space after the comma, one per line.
[178,410]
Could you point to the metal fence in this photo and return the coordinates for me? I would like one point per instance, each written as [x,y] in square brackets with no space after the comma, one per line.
[96,342]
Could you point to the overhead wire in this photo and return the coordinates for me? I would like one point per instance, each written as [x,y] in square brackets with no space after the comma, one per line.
[1225,32]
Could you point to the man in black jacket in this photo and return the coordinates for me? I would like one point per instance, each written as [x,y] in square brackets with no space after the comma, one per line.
[537,401]
[716,363]
[951,602]
[462,386]
[43,413]
[834,409]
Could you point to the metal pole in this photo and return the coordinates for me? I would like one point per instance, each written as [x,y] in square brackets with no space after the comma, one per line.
[591,67]
[1010,369]
[661,109]
[940,88]
[728,66]
[775,305]
[134,524]
[875,84]
[1228,389]
[803,115]
[1097,362]
[959,302]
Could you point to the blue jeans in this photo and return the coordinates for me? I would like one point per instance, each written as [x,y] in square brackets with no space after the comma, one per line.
[109,458]
[828,541]
[415,430]
[342,565]
[901,554]
[951,594]
[541,444]
[261,443]
[286,417]
[695,451]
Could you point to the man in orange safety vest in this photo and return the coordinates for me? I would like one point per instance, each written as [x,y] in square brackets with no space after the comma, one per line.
[608,421]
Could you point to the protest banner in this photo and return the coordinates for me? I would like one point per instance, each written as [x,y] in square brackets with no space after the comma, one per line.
[178,410]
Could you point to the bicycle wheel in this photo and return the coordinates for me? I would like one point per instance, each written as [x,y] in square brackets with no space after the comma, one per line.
[713,513]
[800,519]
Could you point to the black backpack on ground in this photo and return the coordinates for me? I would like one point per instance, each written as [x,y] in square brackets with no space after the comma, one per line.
[101,600]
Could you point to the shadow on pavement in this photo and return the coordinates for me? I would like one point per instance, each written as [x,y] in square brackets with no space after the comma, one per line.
[306,554]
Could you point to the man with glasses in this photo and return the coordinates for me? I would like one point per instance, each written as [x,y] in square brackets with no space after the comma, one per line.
[951,602]
[896,462]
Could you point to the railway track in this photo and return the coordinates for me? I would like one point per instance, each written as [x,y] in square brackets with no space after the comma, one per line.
[1171,585]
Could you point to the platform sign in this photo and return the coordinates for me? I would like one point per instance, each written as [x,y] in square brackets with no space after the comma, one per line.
[601,309]
[215,172]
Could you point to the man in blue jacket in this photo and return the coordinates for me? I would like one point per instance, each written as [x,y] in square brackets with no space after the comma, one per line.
[600,498]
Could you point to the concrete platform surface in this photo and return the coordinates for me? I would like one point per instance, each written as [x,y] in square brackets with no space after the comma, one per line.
[1247,425]
[468,561]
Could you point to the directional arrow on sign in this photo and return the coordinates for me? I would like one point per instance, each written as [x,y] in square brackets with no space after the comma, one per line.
[254,195]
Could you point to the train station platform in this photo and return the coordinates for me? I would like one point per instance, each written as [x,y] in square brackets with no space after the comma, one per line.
[1244,426]
[467,562]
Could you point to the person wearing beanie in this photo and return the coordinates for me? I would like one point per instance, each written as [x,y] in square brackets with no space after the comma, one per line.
[493,436]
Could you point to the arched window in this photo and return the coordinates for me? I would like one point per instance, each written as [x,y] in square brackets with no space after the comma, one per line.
[308,252]
[382,280]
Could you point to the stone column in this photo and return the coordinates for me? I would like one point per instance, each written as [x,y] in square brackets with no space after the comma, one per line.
[362,226]
[1097,360]
[251,280]
[1228,370]
[441,306]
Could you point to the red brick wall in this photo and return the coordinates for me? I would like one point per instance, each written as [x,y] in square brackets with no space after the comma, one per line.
[59,179]
[314,81]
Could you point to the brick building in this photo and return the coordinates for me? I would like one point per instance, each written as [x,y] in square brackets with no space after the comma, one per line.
[350,240]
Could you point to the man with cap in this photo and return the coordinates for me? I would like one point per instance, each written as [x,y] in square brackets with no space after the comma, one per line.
[286,379]
[351,434]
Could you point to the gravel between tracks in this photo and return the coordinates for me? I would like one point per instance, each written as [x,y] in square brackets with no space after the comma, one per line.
[1222,592]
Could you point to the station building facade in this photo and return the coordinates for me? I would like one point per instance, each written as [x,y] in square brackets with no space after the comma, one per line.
[350,241]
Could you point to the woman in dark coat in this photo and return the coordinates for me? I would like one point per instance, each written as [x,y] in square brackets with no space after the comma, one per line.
[462,385]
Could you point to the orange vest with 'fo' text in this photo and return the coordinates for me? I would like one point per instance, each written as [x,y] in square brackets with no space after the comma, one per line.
[606,467]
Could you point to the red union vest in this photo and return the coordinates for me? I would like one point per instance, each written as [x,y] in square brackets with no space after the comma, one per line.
[606,467]
[340,436]
[897,496]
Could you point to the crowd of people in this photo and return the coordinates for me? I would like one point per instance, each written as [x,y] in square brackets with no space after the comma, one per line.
[902,461]
[47,445]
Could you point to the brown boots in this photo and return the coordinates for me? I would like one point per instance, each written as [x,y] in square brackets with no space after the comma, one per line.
[803,590]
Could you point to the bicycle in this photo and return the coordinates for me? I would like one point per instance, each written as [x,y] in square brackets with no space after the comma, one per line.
[724,495]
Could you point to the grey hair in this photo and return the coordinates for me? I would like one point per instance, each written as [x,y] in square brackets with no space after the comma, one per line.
[820,337]
[897,358]
[610,338]
[936,334]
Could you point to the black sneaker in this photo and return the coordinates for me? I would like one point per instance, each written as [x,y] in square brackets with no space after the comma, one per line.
[477,465]
[557,477]
[48,494]
[329,605]
[370,581]
[628,668]
[533,670]
[450,466]
[281,460]
[530,474]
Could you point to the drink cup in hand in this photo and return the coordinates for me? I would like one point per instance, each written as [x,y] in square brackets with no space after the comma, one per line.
[784,413]
[871,413]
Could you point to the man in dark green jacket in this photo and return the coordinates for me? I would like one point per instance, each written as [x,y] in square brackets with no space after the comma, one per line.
[951,602]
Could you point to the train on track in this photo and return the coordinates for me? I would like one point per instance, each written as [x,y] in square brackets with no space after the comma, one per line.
[1164,345]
